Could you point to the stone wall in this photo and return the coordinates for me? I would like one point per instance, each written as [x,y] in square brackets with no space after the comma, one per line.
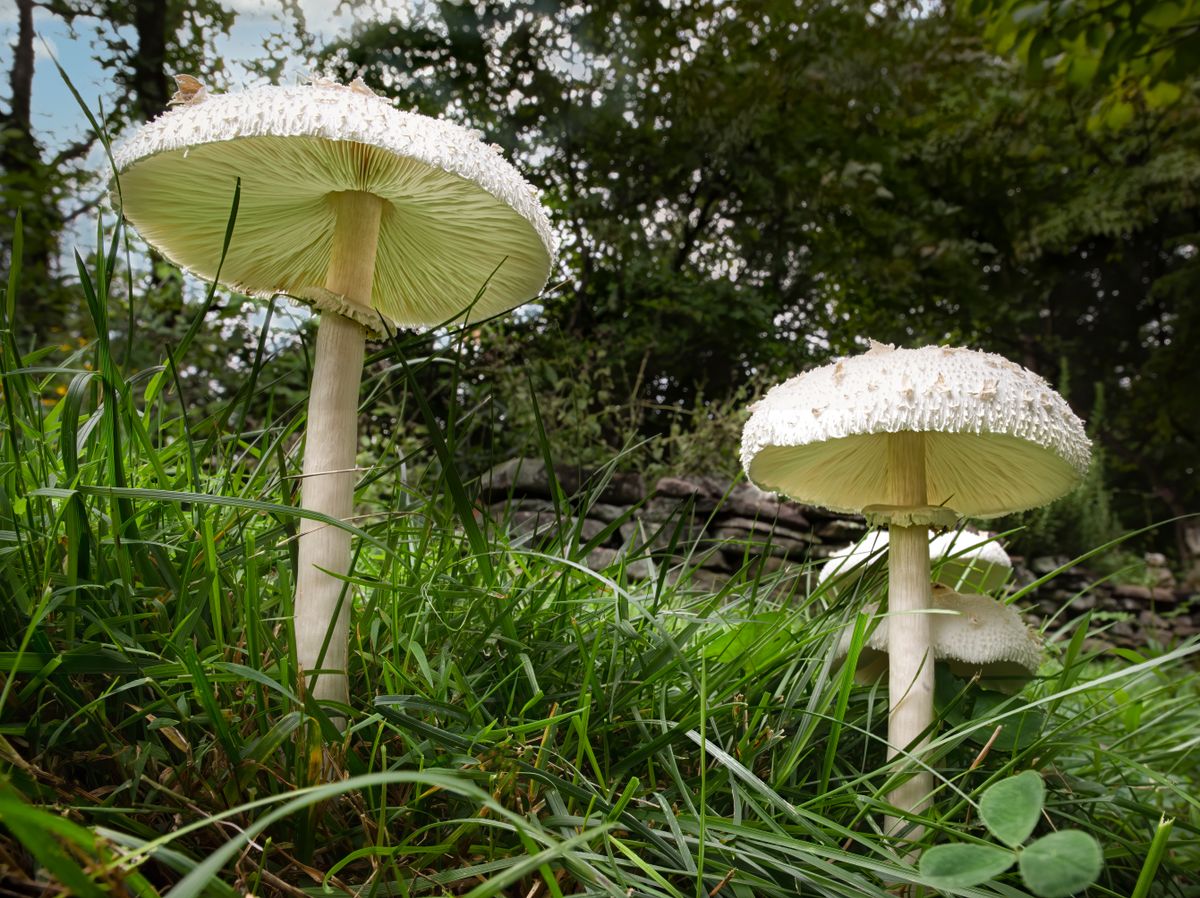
[719,528]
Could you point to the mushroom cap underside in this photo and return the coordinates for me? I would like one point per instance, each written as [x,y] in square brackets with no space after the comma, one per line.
[460,229]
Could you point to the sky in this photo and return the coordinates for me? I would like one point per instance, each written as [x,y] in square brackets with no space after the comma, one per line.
[57,119]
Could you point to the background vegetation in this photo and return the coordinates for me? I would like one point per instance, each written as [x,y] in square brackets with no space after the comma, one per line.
[743,189]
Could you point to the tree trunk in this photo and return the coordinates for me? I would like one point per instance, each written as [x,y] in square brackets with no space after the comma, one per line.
[150,75]
[29,184]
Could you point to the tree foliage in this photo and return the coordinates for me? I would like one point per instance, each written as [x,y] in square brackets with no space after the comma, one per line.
[1138,53]
[141,43]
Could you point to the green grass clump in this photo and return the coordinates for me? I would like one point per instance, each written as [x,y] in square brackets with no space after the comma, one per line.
[521,725]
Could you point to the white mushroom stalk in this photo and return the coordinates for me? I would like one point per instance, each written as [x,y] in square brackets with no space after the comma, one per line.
[913,438]
[375,217]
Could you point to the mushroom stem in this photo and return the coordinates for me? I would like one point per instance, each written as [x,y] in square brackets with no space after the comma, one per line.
[321,613]
[910,659]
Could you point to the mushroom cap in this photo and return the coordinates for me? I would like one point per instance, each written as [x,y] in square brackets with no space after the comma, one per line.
[973,634]
[847,565]
[458,219]
[962,560]
[998,438]
[969,562]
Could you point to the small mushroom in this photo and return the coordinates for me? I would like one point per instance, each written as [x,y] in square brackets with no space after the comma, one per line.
[973,635]
[927,435]
[969,562]
[1004,654]
[373,216]
[965,561]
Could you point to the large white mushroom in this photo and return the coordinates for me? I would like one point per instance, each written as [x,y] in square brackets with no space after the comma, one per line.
[914,438]
[369,214]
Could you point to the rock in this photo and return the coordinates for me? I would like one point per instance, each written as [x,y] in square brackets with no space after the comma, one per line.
[683,488]
[603,511]
[748,501]
[669,508]
[599,559]
[524,477]
[763,527]
[590,528]
[529,477]
[604,559]
[500,511]
[772,563]
[819,552]
[677,492]
[522,521]
[694,579]
[1122,629]
[713,560]
[623,489]
[842,530]
[740,543]
[1045,564]
[1157,571]
[1129,591]
[1085,602]
[537,523]
[660,536]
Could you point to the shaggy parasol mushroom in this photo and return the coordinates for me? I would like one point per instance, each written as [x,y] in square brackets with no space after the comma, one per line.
[913,438]
[966,561]
[972,633]
[367,213]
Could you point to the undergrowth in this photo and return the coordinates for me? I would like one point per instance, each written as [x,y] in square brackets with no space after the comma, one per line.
[520,724]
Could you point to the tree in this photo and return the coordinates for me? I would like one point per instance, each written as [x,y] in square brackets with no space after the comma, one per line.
[1135,53]
[52,189]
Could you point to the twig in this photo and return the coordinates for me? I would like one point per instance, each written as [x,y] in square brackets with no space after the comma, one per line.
[983,752]
[724,882]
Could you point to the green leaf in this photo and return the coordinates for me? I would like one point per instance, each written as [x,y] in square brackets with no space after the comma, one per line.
[1061,863]
[1118,115]
[1158,848]
[1164,93]
[963,866]
[1031,13]
[1162,16]
[44,835]
[1018,730]
[1010,808]
[1081,70]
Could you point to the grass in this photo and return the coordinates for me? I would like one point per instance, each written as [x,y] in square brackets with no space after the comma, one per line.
[520,725]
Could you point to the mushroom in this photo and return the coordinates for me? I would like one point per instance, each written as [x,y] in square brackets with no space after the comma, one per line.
[373,216]
[914,438]
[974,634]
[844,568]
[966,561]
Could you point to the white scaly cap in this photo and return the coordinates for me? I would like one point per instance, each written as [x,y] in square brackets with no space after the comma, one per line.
[965,561]
[998,438]
[458,219]
[970,562]
[972,634]
[849,563]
